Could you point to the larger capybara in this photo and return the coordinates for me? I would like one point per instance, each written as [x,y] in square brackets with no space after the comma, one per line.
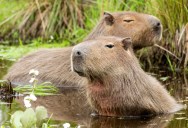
[117,85]
[54,64]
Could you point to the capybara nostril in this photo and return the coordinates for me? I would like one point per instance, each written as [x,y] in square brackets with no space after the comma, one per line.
[157,26]
[77,53]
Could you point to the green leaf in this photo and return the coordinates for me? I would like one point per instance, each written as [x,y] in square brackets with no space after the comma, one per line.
[29,118]
[15,119]
[41,114]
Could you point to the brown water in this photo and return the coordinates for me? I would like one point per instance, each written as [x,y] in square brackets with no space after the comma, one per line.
[70,106]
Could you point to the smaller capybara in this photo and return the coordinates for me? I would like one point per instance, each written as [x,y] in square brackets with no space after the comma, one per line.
[54,64]
[117,85]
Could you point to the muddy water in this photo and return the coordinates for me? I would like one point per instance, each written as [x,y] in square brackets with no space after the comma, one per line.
[71,106]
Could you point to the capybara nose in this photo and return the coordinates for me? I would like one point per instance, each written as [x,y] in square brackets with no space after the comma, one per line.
[157,26]
[77,56]
[155,23]
[77,53]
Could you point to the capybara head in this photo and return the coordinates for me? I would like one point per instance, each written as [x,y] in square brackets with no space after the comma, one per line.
[144,29]
[93,59]
[117,85]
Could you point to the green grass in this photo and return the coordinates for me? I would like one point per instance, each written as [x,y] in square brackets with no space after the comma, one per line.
[15,52]
[10,7]
[9,10]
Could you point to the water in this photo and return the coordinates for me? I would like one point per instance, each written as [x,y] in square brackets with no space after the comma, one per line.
[70,106]
[4,64]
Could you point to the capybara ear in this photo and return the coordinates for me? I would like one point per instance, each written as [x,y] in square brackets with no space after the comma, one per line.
[126,42]
[108,18]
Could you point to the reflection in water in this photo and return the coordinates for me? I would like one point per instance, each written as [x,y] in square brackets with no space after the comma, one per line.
[71,106]
[6,92]
[155,122]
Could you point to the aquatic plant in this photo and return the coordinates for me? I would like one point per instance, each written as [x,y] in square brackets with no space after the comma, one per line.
[42,89]
[29,118]
[29,98]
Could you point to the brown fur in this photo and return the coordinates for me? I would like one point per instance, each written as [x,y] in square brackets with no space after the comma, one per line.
[54,64]
[145,30]
[117,86]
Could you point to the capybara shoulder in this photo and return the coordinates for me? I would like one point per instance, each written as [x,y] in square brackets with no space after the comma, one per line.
[117,86]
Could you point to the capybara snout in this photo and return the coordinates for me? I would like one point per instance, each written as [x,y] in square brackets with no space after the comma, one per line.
[155,23]
[78,58]
[77,62]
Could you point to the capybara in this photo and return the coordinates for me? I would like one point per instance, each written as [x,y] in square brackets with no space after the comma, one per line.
[54,64]
[117,85]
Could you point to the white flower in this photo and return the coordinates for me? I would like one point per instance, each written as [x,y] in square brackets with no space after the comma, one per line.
[66,125]
[33,71]
[27,98]
[27,102]
[78,126]
[32,80]
[33,97]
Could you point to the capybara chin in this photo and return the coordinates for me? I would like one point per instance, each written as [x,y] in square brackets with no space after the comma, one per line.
[54,64]
[117,86]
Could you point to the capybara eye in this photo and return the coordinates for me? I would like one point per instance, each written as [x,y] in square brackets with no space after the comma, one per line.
[128,21]
[109,45]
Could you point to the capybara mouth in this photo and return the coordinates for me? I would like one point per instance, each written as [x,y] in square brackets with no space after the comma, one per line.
[158,31]
[80,73]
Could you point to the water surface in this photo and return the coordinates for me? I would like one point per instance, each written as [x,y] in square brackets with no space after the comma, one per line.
[71,106]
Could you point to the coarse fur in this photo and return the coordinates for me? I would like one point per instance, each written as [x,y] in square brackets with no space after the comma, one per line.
[54,64]
[117,85]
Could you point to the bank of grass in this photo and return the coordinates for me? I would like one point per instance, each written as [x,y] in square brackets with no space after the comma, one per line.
[64,19]
[16,51]
[9,10]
